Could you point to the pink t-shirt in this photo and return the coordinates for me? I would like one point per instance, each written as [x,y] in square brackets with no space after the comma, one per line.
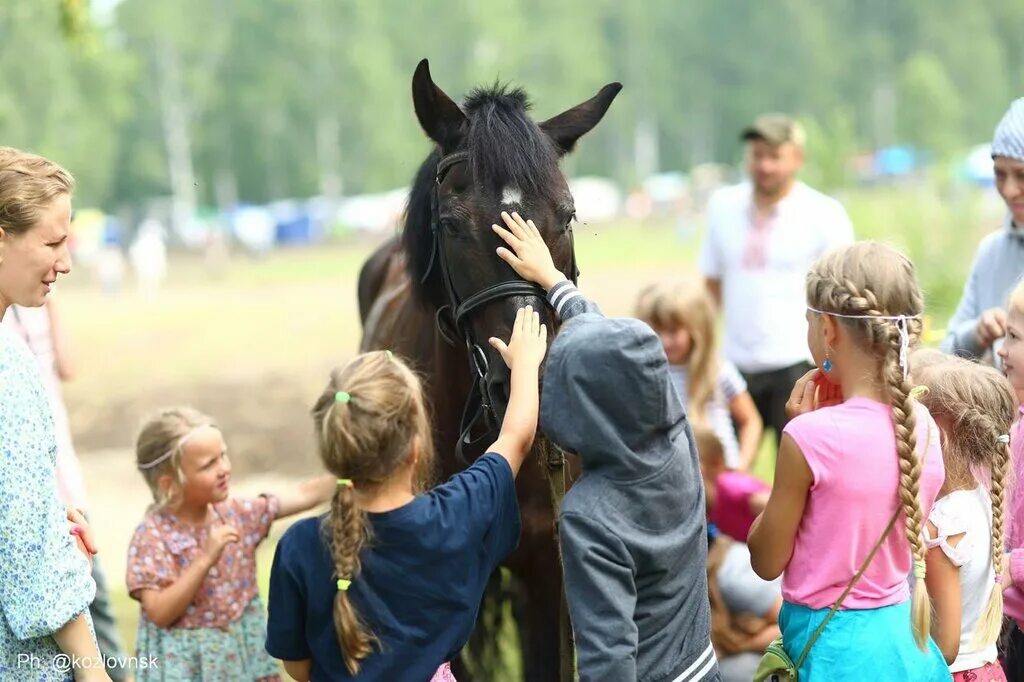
[731,512]
[851,451]
[1013,598]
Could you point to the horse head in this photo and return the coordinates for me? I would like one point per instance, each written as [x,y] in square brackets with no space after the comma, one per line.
[490,156]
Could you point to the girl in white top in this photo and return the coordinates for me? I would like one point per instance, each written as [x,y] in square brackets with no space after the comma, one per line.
[974,406]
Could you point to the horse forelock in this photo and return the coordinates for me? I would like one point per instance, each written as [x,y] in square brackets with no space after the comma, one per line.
[506,147]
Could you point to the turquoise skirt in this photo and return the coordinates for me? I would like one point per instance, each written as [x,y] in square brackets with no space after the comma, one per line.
[868,644]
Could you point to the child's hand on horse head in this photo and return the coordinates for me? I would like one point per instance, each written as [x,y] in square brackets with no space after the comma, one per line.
[529,255]
[529,340]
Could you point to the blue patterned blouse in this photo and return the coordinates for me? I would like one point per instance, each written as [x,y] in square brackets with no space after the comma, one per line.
[44,580]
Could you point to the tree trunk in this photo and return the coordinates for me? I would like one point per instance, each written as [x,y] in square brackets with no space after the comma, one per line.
[175,119]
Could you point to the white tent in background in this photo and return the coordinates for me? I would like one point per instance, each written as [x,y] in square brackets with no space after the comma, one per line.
[597,199]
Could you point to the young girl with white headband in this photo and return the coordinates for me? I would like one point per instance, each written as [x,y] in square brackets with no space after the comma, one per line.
[192,561]
[859,468]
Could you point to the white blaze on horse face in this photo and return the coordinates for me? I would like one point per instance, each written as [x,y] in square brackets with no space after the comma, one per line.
[511,196]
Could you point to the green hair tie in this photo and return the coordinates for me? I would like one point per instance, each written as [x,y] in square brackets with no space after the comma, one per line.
[345,482]
[390,355]
[919,570]
[343,584]
[342,397]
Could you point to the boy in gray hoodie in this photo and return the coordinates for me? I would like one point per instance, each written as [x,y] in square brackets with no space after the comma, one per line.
[632,528]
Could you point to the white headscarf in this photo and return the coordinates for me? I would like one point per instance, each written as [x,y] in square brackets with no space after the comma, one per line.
[1008,140]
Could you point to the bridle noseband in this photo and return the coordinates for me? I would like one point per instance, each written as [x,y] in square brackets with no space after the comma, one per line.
[453,317]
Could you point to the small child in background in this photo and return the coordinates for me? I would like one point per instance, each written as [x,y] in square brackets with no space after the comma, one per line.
[713,391]
[1012,355]
[974,406]
[744,608]
[388,585]
[734,499]
[739,636]
[192,561]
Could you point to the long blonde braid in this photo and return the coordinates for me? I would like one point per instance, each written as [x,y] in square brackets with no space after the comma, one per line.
[370,419]
[870,281]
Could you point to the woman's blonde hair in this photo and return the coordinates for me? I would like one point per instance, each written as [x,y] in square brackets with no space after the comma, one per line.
[872,281]
[158,449]
[28,184]
[976,405]
[687,304]
[368,421]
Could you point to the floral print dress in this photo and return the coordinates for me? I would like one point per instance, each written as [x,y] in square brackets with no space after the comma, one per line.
[45,581]
[220,637]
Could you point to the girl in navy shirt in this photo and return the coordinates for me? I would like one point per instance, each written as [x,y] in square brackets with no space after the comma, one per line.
[387,586]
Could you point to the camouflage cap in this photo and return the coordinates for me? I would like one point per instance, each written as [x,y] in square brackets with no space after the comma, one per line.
[775,129]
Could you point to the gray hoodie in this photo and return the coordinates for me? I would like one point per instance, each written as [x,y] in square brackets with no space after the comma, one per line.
[633,532]
[997,268]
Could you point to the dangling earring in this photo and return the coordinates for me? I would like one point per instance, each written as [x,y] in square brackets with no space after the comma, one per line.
[827,365]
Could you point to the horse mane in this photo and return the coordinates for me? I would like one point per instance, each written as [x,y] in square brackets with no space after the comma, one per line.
[505,147]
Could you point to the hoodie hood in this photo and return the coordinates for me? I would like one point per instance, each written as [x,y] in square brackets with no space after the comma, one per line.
[607,397]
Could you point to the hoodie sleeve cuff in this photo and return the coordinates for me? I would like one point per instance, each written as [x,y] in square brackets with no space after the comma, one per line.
[560,295]
[568,302]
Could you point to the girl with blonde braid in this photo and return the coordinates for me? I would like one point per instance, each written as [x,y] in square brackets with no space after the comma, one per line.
[974,406]
[387,586]
[859,468]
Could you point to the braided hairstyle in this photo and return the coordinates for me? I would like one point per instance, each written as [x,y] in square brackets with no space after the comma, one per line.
[368,420]
[873,280]
[976,405]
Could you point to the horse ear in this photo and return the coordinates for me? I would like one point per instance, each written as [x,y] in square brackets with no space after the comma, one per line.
[440,117]
[569,126]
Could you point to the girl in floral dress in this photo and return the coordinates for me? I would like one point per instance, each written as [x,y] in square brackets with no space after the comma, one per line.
[192,561]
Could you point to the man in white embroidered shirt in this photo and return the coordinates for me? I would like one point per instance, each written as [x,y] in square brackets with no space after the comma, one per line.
[762,236]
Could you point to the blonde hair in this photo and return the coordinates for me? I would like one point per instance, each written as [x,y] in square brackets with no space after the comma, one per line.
[28,184]
[161,434]
[368,420]
[873,280]
[1016,301]
[709,447]
[687,304]
[977,405]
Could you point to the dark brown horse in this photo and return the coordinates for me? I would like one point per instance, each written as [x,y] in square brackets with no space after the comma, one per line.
[436,293]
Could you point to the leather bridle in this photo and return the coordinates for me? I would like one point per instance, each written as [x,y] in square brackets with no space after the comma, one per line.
[453,317]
